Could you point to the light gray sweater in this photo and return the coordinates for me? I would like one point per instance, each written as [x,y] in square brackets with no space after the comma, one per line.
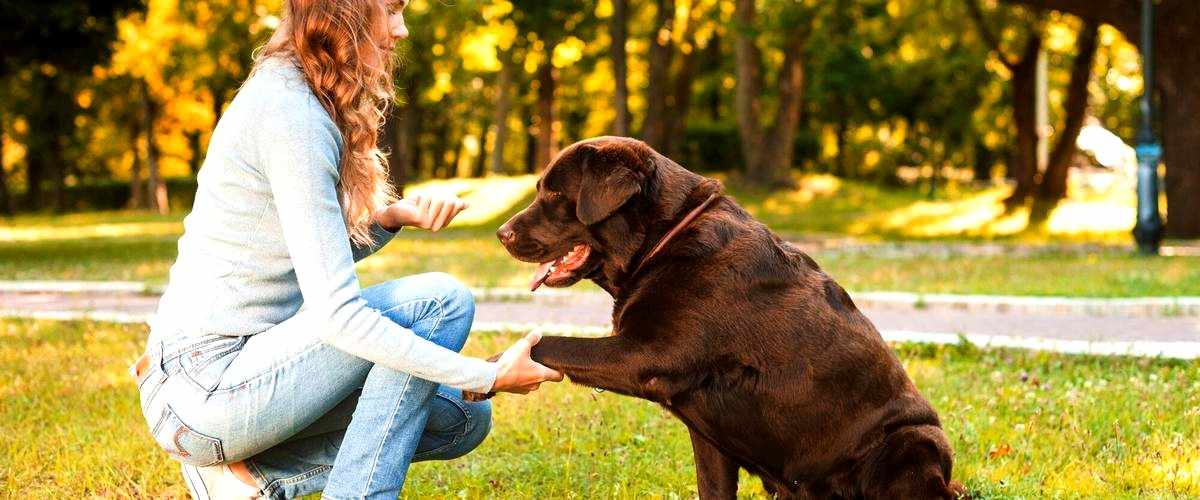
[266,235]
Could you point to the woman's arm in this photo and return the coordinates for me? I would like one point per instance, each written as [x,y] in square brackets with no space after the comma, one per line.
[299,151]
[380,236]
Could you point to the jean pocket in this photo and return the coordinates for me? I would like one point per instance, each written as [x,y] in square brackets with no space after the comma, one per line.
[205,362]
[185,444]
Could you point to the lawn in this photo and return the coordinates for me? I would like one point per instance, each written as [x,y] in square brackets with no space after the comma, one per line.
[140,247]
[1023,424]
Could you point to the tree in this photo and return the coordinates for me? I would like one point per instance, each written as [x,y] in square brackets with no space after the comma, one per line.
[768,151]
[617,31]
[1023,164]
[548,23]
[57,42]
[1053,184]
[1177,87]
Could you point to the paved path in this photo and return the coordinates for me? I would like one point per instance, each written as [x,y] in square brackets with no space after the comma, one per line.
[1168,327]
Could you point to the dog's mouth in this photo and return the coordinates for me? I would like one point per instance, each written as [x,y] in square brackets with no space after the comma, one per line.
[561,271]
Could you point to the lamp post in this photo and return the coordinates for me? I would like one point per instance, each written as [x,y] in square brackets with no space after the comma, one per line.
[1148,230]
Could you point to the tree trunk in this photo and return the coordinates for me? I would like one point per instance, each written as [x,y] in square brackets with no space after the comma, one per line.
[481,157]
[768,154]
[137,190]
[547,136]
[531,139]
[406,156]
[193,139]
[6,205]
[713,53]
[157,189]
[1178,28]
[500,112]
[1024,101]
[748,60]
[617,29]
[654,128]
[1053,186]
[1176,63]
[681,98]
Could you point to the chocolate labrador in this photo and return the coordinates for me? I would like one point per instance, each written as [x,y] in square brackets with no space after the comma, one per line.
[736,332]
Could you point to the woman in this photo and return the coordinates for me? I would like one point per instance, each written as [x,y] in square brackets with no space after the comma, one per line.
[254,395]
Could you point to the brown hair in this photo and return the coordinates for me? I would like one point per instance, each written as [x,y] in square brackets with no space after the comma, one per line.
[336,44]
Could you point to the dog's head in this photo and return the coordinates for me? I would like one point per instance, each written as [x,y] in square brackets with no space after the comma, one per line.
[594,205]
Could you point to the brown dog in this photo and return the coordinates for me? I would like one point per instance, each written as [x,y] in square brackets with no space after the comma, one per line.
[739,334]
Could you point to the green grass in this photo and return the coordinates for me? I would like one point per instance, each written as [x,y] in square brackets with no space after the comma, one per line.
[1023,425]
[140,247]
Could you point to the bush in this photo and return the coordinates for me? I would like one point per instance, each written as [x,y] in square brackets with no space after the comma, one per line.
[716,146]
[113,195]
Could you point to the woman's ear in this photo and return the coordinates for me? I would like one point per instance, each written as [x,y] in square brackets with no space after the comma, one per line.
[612,174]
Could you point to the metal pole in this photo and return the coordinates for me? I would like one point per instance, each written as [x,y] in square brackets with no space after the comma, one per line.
[1148,230]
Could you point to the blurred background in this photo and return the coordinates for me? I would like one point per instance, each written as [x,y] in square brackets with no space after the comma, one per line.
[966,168]
[110,105]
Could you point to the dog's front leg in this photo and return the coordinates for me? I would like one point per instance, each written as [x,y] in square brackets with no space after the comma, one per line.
[716,473]
[611,363]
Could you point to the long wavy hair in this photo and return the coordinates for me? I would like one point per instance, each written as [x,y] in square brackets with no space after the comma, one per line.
[337,45]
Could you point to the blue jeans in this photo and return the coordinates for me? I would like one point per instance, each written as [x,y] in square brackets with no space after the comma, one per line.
[306,417]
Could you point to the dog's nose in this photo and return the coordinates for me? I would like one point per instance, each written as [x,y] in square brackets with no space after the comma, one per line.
[505,234]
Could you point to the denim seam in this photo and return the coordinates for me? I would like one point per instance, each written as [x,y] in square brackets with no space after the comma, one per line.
[458,436]
[441,312]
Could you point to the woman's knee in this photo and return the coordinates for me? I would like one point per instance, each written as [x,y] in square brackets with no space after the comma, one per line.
[475,428]
[457,309]
[480,425]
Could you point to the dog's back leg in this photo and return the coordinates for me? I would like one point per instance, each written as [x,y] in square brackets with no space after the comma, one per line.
[716,474]
[913,462]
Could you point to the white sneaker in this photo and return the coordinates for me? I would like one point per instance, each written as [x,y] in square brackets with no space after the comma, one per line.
[216,483]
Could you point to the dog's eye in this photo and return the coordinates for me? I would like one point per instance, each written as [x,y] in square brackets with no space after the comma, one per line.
[553,196]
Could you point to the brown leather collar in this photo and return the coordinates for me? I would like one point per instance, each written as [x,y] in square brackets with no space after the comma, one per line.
[683,224]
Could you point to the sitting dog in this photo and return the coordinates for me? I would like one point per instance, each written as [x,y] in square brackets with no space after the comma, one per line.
[737,333]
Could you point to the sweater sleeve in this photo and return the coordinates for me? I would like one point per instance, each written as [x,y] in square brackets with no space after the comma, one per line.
[379,237]
[299,153]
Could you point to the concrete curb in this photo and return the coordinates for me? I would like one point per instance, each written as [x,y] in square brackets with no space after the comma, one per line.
[1173,350]
[1139,306]
[1187,306]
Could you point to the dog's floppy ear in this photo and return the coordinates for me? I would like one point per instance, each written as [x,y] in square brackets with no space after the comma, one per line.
[611,175]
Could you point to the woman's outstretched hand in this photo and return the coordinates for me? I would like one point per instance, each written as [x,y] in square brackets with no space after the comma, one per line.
[432,212]
[519,373]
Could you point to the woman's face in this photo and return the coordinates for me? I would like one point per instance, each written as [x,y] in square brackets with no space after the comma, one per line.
[395,29]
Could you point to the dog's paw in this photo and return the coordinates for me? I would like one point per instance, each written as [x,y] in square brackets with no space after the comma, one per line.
[475,397]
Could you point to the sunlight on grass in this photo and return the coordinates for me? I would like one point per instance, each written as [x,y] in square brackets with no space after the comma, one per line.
[1105,217]
[490,198]
[98,230]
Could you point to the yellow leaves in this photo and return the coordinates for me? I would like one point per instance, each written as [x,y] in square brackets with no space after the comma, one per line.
[442,85]
[84,98]
[604,9]
[1060,37]
[999,451]
[908,50]
[495,11]
[893,8]
[479,49]
[568,52]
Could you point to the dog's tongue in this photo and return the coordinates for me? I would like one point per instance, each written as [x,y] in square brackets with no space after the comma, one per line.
[539,276]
